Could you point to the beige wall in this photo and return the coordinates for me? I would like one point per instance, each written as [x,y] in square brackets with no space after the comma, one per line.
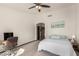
[23,24]
[66,13]
[18,22]
[77,23]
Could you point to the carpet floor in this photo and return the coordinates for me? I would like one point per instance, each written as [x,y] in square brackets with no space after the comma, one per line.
[29,49]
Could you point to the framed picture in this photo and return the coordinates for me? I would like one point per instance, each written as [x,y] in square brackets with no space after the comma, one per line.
[58,24]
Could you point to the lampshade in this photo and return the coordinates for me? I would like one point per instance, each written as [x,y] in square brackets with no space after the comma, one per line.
[73,36]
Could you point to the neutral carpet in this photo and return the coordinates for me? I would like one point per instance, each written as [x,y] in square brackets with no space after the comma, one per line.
[30,50]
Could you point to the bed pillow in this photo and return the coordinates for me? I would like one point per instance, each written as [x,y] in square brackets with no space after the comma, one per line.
[54,37]
[57,37]
[63,37]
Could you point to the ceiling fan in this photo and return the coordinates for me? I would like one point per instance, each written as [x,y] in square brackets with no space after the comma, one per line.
[39,6]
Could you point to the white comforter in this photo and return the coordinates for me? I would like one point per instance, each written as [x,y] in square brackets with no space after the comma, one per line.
[60,47]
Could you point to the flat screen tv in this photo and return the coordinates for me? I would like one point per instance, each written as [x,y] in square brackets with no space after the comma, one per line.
[7,35]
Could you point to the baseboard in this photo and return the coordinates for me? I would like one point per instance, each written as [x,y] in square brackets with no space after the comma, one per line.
[26,43]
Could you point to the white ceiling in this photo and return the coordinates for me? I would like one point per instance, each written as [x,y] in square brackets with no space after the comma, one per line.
[25,6]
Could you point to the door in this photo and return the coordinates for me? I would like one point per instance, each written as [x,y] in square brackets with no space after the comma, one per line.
[40,31]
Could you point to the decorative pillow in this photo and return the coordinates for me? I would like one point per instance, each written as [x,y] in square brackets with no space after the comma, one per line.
[63,37]
[54,37]
[57,37]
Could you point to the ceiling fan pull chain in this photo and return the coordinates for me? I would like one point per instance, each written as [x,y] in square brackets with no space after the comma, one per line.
[39,10]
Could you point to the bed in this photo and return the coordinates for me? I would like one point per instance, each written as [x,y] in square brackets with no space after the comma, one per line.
[58,45]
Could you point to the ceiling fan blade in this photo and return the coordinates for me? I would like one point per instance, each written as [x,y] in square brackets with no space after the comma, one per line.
[45,6]
[37,3]
[32,7]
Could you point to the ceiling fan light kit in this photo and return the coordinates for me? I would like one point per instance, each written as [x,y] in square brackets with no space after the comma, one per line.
[39,6]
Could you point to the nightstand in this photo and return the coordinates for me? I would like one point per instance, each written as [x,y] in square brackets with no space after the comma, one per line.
[75,45]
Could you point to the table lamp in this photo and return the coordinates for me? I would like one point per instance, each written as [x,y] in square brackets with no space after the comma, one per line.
[73,38]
